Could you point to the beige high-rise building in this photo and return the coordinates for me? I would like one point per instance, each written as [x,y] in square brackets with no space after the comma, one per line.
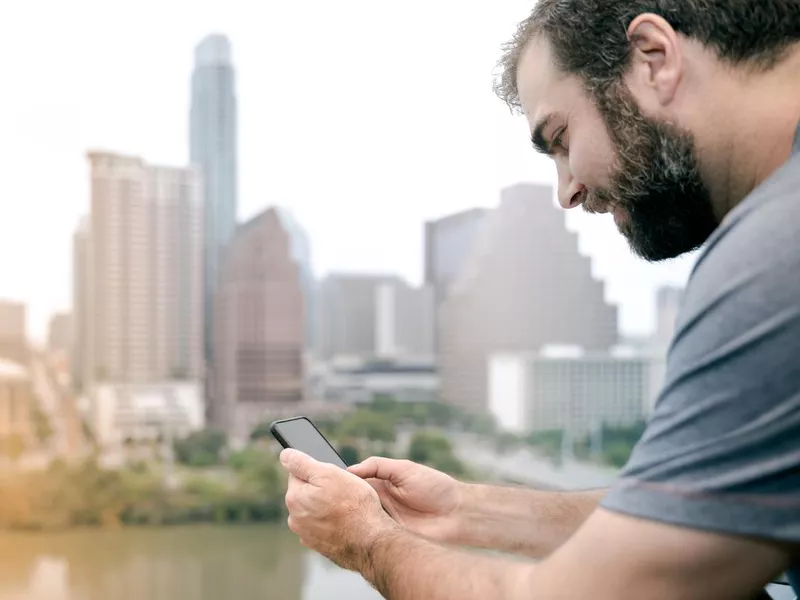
[259,329]
[145,271]
[81,360]
[13,328]
[369,316]
[523,287]
[59,333]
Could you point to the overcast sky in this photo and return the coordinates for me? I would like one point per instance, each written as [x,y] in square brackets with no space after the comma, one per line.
[365,118]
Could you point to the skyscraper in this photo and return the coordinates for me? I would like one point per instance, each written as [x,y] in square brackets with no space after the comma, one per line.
[367,316]
[259,322]
[81,305]
[212,143]
[523,286]
[301,254]
[13,328]
[145,274]
[59,333]
[448,243]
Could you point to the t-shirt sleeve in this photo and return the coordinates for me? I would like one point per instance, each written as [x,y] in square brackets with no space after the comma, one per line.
[722,448]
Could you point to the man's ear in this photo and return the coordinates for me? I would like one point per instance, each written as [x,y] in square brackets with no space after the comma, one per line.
[656,59]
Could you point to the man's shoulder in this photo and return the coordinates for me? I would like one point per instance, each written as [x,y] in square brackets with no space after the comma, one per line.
[757,244]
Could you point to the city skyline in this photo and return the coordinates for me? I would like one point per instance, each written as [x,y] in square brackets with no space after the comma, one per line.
[397,163]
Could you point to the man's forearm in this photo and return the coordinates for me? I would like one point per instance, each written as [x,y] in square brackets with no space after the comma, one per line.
[402,566]
[519,520]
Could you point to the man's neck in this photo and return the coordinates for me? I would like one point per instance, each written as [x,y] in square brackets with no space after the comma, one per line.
[764,109]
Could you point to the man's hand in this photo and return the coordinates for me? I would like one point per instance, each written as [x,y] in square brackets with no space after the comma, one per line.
[332,511]
[421,499]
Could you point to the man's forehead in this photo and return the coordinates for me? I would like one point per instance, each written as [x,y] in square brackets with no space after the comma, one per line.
[538,79]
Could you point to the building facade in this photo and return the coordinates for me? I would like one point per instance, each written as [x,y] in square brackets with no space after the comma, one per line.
[575,392]
[136,413]
[524,286]
[81,360]
[213,148]
[16,398]
[259,335]
[13,331]
[144,314]
[59,333]
[374,316]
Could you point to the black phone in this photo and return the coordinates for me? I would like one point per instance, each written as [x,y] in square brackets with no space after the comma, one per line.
[301,434]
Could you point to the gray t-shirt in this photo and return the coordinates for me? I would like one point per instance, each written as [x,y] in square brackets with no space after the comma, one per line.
[722,450]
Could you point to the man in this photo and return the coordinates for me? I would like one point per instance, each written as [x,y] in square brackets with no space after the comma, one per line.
[678,117]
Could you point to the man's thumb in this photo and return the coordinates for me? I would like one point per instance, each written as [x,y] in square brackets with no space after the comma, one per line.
[297,463]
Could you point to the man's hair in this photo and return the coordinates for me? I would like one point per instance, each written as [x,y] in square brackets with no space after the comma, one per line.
[589,38]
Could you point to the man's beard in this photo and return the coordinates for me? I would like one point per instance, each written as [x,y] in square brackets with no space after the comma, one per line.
[666,208]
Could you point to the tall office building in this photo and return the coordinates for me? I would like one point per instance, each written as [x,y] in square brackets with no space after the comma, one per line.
[59,333]
[301,254]
[259,335]
[81,361]
[448,243]
[145,274]
[13,331]
[213,140]
[524,286]
[366,316]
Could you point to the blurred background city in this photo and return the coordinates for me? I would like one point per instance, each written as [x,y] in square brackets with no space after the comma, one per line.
[215,215]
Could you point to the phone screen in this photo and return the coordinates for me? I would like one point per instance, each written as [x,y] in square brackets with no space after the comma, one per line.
[302,435]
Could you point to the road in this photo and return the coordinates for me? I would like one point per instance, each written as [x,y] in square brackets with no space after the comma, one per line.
[527,468]
[522,466]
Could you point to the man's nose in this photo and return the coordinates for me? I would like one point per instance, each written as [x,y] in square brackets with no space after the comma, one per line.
[571,195]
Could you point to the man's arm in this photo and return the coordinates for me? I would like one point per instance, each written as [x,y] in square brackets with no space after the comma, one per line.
[612,557]
[520,521]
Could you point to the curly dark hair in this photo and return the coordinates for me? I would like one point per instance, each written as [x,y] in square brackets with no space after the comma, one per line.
[589,37]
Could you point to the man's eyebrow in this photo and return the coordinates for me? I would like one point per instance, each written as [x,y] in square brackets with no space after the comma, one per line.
[541,145]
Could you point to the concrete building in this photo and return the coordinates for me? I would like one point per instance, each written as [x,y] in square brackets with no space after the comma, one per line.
[524,286]
[124,413]
[448,243]
[301,254]
[16,398]
[144,311]
[59,333]
[13,331]
[570,390]
[259,334]
[360,382]
[213,148]
[374,316]
[81,360]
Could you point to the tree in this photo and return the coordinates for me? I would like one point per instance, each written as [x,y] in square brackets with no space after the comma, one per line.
[349,454]
[13,447]
[201,449]
[364,424]
[260,432]
[41,425]
[435,450]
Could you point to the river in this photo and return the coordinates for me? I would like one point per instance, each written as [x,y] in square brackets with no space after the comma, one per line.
[191,563]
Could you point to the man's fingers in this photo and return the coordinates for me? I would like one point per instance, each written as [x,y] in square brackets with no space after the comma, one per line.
[301,465]
[377,467]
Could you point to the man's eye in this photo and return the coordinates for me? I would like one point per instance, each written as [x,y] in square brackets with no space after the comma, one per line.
[558,141]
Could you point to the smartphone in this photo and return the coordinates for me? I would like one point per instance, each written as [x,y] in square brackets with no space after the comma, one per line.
[301,434]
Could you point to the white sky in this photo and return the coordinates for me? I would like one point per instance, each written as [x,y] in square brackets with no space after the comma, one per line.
[364,117]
